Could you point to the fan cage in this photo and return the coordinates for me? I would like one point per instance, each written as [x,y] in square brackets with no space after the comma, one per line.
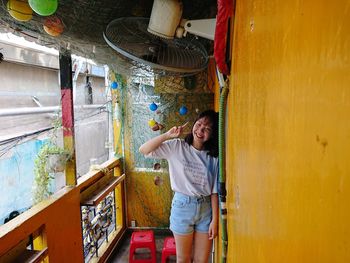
[147,52]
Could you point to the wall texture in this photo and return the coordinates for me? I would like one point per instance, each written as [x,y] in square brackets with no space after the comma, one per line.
[288,132]
[148,202]
[15,180]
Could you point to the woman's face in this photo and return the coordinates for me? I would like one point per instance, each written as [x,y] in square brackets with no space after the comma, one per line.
[202,130]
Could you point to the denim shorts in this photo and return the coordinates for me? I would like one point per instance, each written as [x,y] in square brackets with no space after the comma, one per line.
[190,213]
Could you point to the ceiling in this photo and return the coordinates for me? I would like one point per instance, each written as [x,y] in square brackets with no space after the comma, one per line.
[85,21]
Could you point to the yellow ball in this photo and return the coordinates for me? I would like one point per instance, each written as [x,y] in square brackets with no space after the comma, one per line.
[19,10]
[151,123]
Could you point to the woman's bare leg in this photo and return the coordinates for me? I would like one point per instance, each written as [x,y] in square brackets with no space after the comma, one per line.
[202,247]
[183,248]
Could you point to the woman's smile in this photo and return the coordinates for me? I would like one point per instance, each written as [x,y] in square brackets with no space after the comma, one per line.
[201,132]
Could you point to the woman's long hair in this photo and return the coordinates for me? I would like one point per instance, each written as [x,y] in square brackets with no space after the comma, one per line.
[212,144]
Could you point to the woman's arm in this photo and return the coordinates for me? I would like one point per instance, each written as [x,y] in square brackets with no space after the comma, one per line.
[155,142]
[213,228]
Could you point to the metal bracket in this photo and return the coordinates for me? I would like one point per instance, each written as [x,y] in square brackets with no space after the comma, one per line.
[202,27]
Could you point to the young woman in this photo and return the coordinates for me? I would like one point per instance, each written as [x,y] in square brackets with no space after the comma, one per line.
[193,168]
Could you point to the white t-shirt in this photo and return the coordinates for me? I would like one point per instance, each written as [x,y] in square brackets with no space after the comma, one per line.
[192,172]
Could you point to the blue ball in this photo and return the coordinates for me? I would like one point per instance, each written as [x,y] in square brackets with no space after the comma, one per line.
[114,85]
[153,106]
[183,110]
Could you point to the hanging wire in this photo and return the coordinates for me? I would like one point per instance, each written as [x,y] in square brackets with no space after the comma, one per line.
[8,144]
[14,141]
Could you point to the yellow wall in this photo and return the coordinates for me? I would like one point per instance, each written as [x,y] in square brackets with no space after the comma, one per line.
[148,204]
[288,146]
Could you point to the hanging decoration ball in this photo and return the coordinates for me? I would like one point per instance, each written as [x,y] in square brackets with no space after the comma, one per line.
[114,85]
[44,7]
[158,180]
[53,26]
[156,166]
[151,123]
[153,106]
[20,10]
[183,110]
[157,127]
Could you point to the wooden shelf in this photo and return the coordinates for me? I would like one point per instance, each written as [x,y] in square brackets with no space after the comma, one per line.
[97,196]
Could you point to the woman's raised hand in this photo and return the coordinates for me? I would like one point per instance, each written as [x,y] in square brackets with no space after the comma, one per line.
[176,131]
[155,142]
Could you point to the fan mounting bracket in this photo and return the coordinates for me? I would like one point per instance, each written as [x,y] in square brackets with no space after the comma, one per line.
[201,27]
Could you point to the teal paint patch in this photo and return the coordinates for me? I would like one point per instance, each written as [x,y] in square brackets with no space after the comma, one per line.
[17,177]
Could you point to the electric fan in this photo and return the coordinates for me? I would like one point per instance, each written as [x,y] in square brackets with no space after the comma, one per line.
[151,42]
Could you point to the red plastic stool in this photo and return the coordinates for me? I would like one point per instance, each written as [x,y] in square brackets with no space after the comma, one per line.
[142,239]
[169,248]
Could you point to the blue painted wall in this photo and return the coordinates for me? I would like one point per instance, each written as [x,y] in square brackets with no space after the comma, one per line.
[16,178]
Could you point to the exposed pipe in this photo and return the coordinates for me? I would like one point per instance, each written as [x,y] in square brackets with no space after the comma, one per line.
[35,110]
[108,93]
[222,170]
[37,102]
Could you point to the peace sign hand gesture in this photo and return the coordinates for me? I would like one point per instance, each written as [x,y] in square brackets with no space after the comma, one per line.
[176,131]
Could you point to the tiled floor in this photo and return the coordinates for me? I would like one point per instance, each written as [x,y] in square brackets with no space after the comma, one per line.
[121,253]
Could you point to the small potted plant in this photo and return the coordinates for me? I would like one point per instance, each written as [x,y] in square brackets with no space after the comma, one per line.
[56,159]
[51,159]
